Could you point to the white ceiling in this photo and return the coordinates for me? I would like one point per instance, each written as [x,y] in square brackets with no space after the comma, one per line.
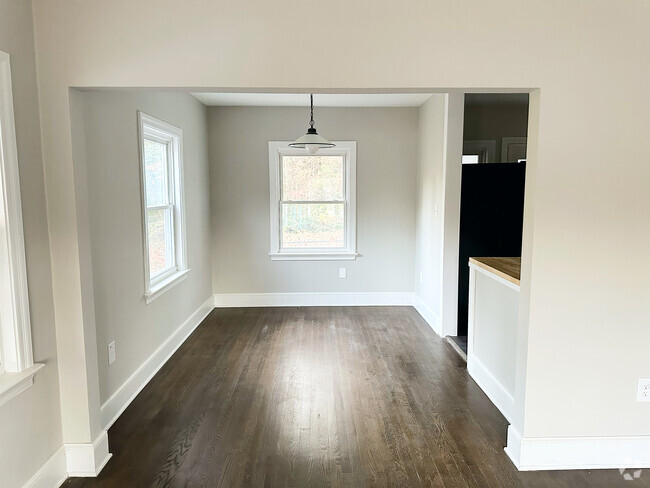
[320,100]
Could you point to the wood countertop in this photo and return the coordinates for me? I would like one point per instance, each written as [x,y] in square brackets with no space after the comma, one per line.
[507,268]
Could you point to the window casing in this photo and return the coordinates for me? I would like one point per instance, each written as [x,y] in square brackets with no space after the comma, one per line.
[161,166]
[17,367]
[312,202]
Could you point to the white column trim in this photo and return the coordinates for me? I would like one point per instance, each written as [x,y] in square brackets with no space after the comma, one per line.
[87,460]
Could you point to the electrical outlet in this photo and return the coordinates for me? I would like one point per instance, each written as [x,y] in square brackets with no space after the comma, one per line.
[111,353]
[343,273]
[643,393]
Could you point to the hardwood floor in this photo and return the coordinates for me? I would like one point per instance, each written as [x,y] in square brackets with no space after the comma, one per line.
[311,397]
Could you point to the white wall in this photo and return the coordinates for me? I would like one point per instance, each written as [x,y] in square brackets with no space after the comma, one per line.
[386,164]
[587,235]
[438,210]
[430,204]
[115,216]
[30,424]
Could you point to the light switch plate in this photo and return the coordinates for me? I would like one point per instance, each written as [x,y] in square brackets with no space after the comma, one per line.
[111,353]
[643,392]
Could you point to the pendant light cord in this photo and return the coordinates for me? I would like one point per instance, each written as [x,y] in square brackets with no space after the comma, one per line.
[311,101]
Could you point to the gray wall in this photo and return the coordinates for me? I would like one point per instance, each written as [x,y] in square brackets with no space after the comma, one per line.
[30,424]
[386,174]
[113,177]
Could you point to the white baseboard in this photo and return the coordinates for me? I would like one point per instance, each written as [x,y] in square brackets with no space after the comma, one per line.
[560,453]
[125,394]
[52,474]
[429,316]
[311,299]
[495,391]
[87,460]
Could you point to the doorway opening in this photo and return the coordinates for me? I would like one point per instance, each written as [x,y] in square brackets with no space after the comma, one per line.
[492,187]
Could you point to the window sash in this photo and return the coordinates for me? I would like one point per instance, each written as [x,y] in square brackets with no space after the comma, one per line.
[281,202]
[315,202]
[168,212]
[168,181]
[169,234]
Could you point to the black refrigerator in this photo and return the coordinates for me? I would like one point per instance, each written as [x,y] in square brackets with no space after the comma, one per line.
[491,219]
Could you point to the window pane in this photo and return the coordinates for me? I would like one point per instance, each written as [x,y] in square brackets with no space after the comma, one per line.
[470,159]
[155,171]
[312,178]
[313,225]
[161,240]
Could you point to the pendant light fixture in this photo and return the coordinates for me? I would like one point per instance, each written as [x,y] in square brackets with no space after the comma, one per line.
[311,141]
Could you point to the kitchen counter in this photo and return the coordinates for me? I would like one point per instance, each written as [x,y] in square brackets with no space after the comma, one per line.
[492,328]
[507,268]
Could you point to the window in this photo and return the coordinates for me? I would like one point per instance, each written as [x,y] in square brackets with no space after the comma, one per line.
[17,366]
[313,211]
[471,158]
[480,151]
[163,212]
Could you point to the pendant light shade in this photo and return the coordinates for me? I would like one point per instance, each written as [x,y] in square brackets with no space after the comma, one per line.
[311,141]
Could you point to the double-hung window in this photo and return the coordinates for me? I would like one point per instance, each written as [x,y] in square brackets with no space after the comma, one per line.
[313,209]
[163,212]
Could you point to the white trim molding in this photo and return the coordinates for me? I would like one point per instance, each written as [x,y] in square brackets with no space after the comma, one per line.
[429,316]
[313,256]
[335,299]
[13,384]
[87,460]
[52,474]
[165,285]
[127,392]
[15,328]
[495,391]
[562,453]
[312,299]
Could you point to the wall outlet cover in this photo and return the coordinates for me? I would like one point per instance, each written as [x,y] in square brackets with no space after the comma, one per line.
[111,353]
[343,273]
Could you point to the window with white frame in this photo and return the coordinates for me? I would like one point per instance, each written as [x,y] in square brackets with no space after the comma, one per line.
[161,157]
[17,366]
[313,202]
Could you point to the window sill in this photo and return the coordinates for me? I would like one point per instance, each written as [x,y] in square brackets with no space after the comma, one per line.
[313,256]
[13,384]
[165,285]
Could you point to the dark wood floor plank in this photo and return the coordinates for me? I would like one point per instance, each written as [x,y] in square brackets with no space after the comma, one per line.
[318,397]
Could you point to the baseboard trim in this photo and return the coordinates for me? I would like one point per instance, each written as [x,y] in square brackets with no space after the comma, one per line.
[495,391]
[125,394]
[312,299]
[87,460]
[567,453]
[429,316]
[52,474]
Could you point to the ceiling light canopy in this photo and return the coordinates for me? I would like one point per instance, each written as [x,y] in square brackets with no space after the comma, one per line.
[311,141]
